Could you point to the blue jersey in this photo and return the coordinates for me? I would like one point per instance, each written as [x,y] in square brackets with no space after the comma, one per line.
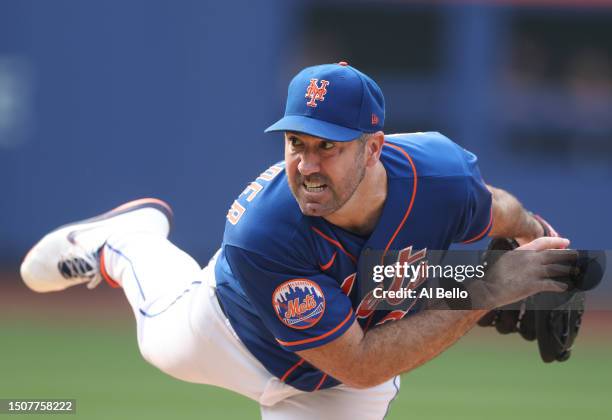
[289,282]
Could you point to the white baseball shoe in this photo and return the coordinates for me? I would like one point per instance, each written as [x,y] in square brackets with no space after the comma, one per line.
[69,255]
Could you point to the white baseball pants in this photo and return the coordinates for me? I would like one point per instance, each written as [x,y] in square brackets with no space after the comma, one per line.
[183,332]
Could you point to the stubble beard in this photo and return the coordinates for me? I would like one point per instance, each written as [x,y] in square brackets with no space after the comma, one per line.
[339,195]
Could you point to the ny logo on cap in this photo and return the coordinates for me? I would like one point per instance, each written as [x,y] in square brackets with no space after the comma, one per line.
[316,93]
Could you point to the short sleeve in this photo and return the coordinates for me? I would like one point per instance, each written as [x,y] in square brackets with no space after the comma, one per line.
[477,215]
[302,308]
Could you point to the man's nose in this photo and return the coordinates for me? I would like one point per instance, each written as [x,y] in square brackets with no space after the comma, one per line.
[309,163]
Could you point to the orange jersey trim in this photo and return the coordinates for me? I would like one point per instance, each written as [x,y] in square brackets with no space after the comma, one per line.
[336,243]
[321,382]
[291,369]
[481,234]
[414,190]
[320,337]
[406,214]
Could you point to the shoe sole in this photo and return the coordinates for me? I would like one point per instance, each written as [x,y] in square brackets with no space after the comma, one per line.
[130,206]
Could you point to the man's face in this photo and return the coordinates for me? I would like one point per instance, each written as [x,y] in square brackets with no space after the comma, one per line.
[323,174]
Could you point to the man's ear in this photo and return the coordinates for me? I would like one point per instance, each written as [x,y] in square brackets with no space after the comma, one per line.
[374,145]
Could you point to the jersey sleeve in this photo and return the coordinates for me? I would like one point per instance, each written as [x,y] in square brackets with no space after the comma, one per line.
[302,308]
[477,215]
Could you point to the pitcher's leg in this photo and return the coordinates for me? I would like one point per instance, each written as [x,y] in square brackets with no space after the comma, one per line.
[181,328]
[159,281]
[148,267]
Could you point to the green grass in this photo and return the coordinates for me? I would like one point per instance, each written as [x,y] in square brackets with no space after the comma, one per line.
[483,379]
[101,368]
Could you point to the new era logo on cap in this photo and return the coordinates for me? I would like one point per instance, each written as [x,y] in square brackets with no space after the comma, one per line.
[332,101]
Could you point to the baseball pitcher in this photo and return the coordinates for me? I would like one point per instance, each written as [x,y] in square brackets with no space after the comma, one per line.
[276,314]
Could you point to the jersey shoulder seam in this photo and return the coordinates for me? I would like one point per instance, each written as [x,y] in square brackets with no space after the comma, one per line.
[291,250]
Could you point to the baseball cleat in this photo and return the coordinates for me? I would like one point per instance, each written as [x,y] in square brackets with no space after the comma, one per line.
[69,255]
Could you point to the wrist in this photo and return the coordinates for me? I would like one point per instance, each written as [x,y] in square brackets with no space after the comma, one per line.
[533,229]
[539,228]
[480,296]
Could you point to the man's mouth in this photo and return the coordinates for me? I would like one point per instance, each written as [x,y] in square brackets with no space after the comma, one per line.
[314,187]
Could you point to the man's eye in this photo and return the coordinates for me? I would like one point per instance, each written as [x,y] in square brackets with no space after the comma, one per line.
[295,142]
[327,145]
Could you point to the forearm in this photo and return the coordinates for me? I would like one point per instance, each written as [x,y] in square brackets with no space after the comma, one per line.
[364,360]
[402,346]
[510,219]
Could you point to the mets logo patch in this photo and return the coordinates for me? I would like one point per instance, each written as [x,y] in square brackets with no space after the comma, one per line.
[299,303]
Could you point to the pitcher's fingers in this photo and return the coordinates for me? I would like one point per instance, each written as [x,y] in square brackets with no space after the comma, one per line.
[549,285]
[560,270]
[553,256]
[545,242]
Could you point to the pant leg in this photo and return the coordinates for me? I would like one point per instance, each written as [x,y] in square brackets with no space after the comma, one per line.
[341,402]
[150,269]
[159,281]
[180,326]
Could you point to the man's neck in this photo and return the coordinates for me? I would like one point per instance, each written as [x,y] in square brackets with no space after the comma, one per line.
[361,212]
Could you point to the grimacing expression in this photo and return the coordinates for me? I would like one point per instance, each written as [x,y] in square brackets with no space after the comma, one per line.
[323,175]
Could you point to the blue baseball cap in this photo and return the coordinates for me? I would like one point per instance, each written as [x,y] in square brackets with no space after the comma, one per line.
[332,101]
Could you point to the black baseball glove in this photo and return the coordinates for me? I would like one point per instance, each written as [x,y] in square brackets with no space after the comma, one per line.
[551,318]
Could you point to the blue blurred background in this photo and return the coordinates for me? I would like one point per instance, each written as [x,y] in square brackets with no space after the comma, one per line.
[106,101]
